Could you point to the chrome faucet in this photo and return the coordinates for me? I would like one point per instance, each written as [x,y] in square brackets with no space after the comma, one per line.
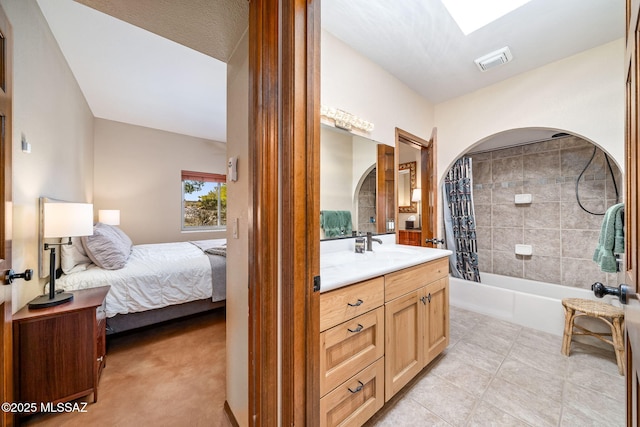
[370,240]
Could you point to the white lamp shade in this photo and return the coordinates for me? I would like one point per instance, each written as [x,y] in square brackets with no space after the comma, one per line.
[109,216]
[416,195]
[68,219]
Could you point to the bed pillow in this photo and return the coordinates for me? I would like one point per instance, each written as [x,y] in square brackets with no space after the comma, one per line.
[108,248]
[73,257]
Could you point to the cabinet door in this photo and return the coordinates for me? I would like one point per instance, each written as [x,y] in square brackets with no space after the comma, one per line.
[436,311]
[404,329]
[56,357]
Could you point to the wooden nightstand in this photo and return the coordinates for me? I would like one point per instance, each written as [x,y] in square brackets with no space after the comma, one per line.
[59,352]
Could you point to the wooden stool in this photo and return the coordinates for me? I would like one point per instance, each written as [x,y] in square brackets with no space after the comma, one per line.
[611,315]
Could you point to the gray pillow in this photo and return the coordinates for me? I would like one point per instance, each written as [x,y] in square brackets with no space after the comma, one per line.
[108,248]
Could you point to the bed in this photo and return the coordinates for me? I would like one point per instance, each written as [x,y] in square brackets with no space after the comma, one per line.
[150,283]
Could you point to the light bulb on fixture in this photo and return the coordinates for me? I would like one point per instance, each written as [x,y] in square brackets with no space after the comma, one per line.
[345,120]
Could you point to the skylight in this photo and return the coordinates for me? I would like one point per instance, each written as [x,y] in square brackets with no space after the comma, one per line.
[471,15]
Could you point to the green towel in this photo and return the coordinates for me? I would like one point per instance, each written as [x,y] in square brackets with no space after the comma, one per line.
[611,239]
[336,223]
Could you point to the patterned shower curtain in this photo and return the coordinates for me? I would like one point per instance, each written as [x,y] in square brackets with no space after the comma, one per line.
[460,221]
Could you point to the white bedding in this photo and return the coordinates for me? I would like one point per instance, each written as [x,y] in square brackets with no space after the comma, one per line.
[155,276]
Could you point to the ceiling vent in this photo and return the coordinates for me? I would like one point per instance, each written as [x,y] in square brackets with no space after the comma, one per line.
[493,59]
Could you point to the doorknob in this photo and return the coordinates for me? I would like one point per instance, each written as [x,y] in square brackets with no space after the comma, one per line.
[435,241]
[621,291]
[11,276]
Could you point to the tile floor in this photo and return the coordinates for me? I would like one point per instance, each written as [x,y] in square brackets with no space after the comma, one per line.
[496,373]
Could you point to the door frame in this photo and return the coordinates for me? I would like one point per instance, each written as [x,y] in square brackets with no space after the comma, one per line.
[428,181]
[632,205]
[284,249]
[6,141]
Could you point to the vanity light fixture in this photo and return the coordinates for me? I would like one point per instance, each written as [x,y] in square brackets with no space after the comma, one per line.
[344,120]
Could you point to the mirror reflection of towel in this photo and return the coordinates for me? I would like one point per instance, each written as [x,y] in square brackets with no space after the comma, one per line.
[336,223]
[611,239]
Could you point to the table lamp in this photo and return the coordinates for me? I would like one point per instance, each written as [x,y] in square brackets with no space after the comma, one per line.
[62,220]
[109,216]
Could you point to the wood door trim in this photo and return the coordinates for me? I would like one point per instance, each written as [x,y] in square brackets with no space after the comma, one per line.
[284,249]
[632,226]
[263,219]
[6,94]
[428,181]
[384,171]
[300,212]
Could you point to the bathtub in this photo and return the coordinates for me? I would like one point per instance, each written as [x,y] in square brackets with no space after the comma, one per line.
[536,305]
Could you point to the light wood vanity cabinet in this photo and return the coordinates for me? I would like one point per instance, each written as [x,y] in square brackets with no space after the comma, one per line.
[416,321]
[377,335]
[351,353]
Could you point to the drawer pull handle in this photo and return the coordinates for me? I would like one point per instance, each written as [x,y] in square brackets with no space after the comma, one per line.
[358,303]
[429,297]
[424,300]
[359,388]
[358,329]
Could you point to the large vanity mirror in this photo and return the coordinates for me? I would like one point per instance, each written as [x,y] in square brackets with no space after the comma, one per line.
[348,185]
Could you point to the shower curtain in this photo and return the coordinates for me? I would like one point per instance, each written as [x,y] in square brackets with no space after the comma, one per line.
[460,221]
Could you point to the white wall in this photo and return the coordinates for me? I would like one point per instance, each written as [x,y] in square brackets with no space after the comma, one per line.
[138,170]
[238,249]
[353,83]
[336,158]
[582,94]
[51,112]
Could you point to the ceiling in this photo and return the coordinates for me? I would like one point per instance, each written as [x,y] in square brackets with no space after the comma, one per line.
[162,84]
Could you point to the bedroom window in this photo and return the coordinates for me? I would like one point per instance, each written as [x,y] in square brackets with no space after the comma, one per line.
[204,201]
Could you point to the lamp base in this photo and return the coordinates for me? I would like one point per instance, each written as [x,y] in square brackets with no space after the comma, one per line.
[43,301]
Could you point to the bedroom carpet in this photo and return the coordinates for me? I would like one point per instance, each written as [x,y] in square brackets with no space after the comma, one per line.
[171,375]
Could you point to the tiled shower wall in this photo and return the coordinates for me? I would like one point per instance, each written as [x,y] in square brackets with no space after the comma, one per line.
[563,236]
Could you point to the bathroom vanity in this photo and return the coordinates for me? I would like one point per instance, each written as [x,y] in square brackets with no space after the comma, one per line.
[384,315]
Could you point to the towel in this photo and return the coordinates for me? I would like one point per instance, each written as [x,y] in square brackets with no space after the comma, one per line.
[336,223]
[611,239]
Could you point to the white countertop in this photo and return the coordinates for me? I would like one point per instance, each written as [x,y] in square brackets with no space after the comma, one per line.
[342,266]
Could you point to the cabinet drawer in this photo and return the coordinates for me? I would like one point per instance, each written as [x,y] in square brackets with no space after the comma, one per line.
[349,346]
[342,304]
[409,279]
[356,400]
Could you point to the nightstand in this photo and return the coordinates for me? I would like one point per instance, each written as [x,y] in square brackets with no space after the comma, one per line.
[59,352]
